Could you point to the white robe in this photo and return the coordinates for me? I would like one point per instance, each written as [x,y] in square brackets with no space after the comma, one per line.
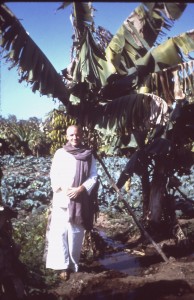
[65,239]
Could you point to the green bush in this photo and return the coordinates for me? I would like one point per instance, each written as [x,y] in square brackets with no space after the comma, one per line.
[29,233]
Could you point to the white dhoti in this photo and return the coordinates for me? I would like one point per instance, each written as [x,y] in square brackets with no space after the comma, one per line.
[64,242]
[63,239]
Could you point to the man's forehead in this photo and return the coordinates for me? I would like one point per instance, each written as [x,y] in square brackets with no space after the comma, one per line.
[73,130]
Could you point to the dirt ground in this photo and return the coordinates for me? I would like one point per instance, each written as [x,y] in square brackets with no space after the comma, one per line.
[153,278]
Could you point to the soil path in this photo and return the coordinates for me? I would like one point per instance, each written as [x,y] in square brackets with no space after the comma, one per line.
[154,278]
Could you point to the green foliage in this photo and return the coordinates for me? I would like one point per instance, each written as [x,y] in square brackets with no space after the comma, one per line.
[29,234]
[34,137]
[23,137]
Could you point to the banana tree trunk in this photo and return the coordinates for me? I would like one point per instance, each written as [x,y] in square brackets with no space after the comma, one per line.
[157,193]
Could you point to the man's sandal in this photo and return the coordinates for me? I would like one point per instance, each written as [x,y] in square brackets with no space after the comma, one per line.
[64,275]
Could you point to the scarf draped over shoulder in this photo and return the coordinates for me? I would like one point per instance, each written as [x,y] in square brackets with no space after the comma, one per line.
[79,208]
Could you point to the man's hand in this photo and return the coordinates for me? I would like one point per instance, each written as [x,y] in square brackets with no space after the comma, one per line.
[74,192]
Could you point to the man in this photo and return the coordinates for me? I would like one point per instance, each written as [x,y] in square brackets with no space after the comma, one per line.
[73,176]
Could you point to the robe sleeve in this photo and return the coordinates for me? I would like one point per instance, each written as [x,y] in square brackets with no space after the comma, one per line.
[62,170]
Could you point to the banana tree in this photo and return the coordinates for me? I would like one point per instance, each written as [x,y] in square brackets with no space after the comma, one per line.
[104,67]
[125,86]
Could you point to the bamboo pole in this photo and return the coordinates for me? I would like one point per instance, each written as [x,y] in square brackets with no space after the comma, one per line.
[130,211]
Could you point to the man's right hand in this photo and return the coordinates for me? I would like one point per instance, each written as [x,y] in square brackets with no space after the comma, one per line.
[74,192]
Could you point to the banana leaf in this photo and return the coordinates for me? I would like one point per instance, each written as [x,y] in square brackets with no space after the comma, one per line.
[23,52]
[185,42]
[134,111]
[141,30]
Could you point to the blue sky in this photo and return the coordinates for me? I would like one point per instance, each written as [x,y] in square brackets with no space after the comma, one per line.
[52,32]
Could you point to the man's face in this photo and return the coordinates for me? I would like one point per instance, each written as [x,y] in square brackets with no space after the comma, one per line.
[74,136]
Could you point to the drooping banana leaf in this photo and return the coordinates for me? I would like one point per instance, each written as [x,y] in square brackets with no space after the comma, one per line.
[172,83]
[139,32]
[83,15]
[90,65]
[33,66]
[171,53]
[173,11]
[135,111]
[128,117]
[185,42]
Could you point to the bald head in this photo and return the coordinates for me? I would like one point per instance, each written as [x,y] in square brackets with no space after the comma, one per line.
[72,127]
[74,135]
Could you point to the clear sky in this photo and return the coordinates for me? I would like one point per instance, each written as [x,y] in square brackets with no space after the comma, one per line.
[52,32]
